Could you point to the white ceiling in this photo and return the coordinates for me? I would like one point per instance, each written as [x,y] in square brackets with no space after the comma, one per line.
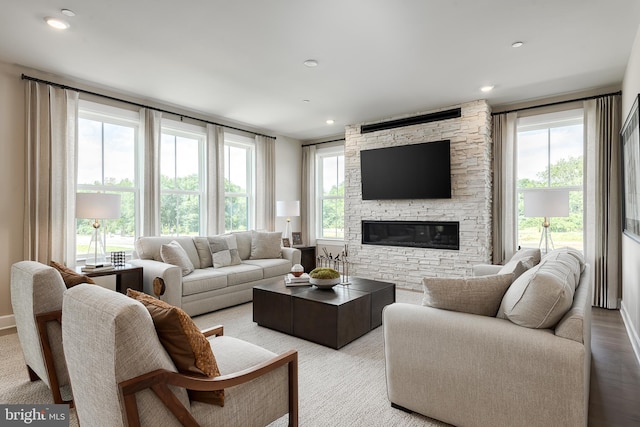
[242,60]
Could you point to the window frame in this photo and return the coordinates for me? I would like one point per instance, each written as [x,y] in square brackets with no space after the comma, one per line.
[247,144]
[550,120]
[185,130]
[103,113]
[321,154]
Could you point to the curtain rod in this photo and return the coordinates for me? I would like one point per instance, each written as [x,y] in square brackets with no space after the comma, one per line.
[551,104]
[75,89]
[322,142]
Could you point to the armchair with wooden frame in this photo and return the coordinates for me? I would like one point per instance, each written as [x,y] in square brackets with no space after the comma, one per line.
[122,376]
[36,299]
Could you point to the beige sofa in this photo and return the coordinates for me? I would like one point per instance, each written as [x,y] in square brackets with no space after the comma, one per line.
[207,288]
[478,370]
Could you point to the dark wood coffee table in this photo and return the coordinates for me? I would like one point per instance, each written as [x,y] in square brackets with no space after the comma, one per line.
[331,317]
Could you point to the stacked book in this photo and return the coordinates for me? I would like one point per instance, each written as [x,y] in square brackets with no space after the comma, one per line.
[291,280]
[94,268]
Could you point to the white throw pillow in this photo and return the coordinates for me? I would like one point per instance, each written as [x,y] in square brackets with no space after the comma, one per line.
[265,244]
[475,295]
[173,253]
[224,250]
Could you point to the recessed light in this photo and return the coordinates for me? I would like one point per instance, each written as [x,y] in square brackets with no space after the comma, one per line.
[310,63]
[67,12]
[56,23]
[488,88]
[330,121]
[517,44]
[306,101]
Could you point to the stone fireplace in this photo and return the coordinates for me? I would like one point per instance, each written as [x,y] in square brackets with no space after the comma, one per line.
[469,206]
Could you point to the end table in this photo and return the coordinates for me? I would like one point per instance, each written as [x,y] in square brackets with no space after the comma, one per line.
[127,276]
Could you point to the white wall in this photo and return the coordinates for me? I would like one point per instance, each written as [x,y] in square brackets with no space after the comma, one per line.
[630,248]
[12,140]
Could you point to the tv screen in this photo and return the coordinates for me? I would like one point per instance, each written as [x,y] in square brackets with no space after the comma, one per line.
[416,171]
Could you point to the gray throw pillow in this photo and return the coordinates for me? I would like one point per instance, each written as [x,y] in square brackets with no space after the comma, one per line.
[265,244]
[173,253]
[475,295]
[224,250]
[517,266]
[540,296]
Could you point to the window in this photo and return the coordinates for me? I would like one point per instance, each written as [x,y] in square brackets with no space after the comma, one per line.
[107,147]
[550,155]
[181,180]
[239,166]
[330,191]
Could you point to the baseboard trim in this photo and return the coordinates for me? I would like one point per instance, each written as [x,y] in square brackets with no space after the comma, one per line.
[7,322]
[631,331]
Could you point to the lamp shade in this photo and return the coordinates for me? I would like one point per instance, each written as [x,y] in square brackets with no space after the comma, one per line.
[546,203]
[288,209]
[97,205]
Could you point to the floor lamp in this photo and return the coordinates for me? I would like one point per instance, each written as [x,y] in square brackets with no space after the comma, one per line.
[288,209]
[97,206]
[546,203]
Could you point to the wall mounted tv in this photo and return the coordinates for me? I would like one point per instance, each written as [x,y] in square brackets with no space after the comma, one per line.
[415,171]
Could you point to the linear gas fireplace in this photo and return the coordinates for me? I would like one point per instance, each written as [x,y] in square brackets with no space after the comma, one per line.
[413,234]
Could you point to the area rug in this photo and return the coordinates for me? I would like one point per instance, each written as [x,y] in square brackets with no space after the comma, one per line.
[343,387]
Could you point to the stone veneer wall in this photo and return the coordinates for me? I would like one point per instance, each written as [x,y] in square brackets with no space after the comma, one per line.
[470,204]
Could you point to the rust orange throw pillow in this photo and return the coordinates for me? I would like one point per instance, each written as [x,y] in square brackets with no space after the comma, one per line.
[69,276]
[186,345]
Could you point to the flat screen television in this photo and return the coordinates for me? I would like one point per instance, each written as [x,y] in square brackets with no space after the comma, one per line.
[416,171]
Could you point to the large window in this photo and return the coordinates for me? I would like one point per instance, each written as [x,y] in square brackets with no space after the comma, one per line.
[107,152]
[181,181]
[550,155]
[330,191]
[239,166]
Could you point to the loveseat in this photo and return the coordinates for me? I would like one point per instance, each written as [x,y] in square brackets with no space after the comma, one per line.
[493,351]
[203,274]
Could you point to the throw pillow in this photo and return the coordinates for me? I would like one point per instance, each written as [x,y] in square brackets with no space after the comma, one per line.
[173,253]
[186,345]
[540,296]
[517,266]
[475,295]
[527,252]
[224,250]
[265,244]
[69,276]
[204,252]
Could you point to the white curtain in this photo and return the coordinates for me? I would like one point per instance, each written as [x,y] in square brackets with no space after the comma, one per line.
[215,180]
[602,198]
[308,202]
[505,219]
[151,185]
[50,179]
[265,183]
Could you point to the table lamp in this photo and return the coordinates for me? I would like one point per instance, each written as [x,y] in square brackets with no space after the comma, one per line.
[288,209]
[97,206]
[546,203]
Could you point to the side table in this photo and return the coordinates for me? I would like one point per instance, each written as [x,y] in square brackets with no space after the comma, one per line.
[127,276]
[308,257]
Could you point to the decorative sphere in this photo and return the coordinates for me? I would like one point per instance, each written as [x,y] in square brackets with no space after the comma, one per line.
[297,270]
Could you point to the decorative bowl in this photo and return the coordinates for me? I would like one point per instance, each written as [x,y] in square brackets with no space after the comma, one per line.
[324,283]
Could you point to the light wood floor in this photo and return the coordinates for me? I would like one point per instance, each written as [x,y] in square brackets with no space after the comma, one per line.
[614,399]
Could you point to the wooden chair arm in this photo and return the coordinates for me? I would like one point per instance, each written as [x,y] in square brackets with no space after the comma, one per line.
[217,330]
[160,379]
[41,323]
